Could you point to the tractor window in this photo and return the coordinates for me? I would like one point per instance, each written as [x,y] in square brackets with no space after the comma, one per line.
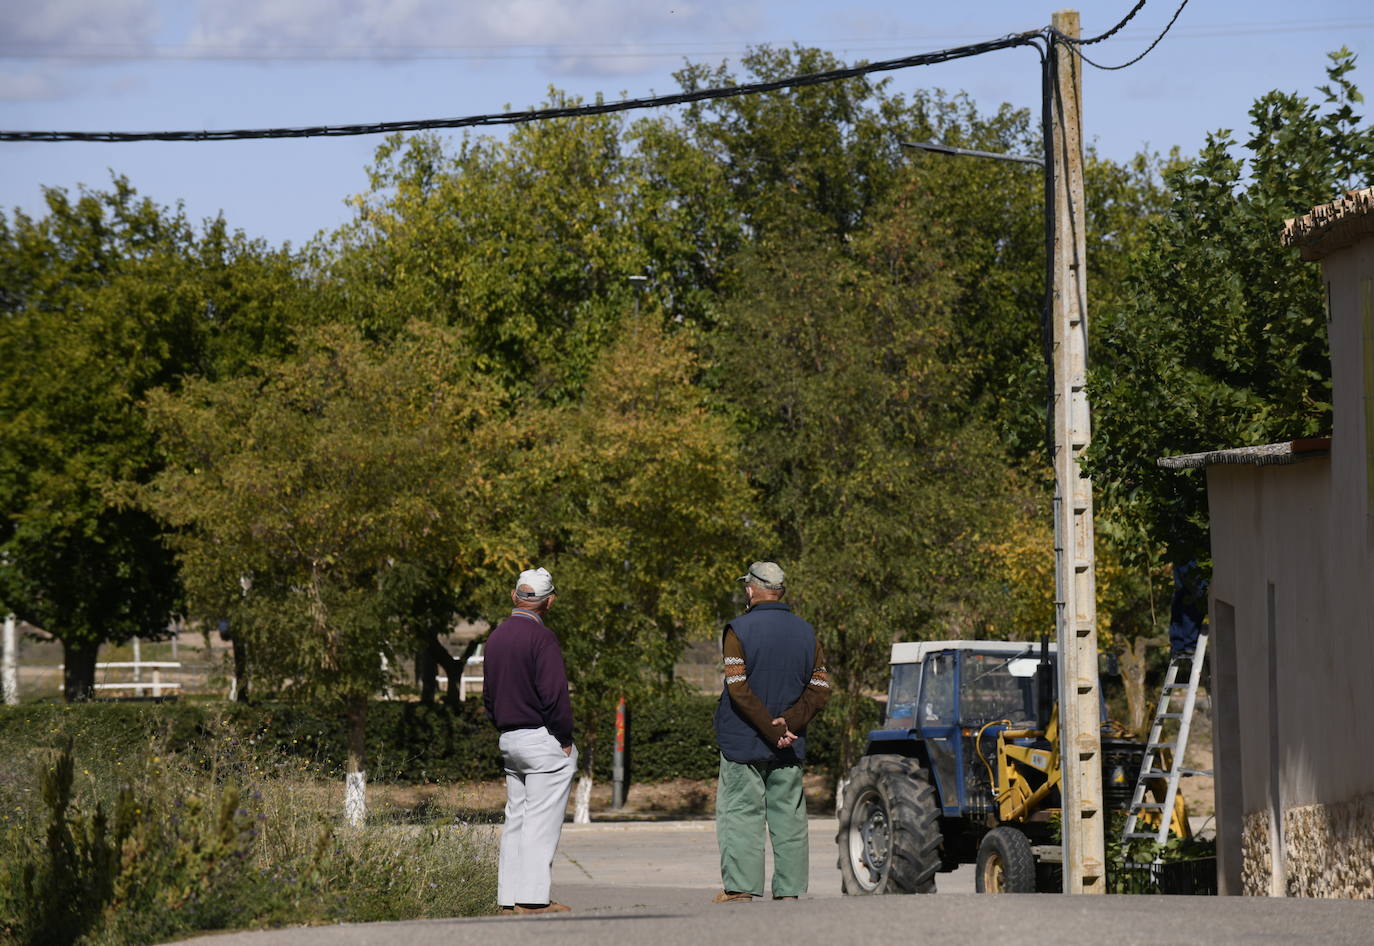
[991,691]
[937,692]
[901,697]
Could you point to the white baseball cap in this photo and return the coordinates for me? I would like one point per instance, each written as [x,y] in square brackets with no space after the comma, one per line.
[538,580]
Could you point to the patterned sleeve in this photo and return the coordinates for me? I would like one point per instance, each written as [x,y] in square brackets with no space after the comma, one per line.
[737,685]
[812,698]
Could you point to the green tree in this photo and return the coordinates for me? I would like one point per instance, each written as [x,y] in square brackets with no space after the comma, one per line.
[528,243]
[1221,341]
[103,299]
[648,515]
[312,501]
[815,158]
[882,491]
[811,164]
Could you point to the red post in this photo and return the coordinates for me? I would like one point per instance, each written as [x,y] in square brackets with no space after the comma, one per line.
[618,761]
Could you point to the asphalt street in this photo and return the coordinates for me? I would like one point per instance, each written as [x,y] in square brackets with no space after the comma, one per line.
[653,883]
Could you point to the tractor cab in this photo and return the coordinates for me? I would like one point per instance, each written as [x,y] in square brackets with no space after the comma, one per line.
[949,700]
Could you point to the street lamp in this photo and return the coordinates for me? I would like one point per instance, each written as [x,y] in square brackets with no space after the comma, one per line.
[639,282]
[968,152]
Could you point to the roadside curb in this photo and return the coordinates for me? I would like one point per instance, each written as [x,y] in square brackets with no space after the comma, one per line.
[707,824]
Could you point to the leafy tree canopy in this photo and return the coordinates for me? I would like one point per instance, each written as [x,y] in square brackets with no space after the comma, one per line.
[645,514]
[1221,340]
[104,299]
[310,500]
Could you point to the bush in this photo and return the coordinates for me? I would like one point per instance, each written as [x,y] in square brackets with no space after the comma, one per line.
[407,743]
[667,739]
[675,737]
[203,843]
[1178,866]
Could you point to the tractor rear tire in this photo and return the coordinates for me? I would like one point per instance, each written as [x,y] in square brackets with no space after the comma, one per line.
[1005,862]
[889,837]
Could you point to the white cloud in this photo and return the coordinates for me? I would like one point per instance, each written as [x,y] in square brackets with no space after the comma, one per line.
[54,41]
[267,24]
[605,36]
[46,39]
[81,26]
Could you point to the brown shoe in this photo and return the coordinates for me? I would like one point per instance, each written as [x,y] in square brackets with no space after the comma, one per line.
[729,896]
[505,911]
[524,910]
[784,898]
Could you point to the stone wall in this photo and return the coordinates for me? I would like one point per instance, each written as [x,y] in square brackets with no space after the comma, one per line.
[1329,850]
[1255,866]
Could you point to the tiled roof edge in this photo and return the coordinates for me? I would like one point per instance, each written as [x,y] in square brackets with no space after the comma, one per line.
[1269,454]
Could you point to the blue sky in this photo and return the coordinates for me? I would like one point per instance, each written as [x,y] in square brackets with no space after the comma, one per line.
[139,65]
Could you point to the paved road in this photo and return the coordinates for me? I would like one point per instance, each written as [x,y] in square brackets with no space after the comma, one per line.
[652,883]
[682,855]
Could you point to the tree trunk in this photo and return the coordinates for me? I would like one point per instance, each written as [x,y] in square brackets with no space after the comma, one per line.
[9,666]
[240,652]
[852,729]
[78,671]
[582,798]
[427,674]
[455,693]
[453,666]
[582,807]
[355,774]
[1133,668]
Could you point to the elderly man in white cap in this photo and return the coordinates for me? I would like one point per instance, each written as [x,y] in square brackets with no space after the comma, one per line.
[525,690]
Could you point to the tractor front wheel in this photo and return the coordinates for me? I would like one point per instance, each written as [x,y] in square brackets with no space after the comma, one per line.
[889,835]
[1005,863]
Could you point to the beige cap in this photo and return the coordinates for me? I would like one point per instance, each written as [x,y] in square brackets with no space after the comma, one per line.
[767,574]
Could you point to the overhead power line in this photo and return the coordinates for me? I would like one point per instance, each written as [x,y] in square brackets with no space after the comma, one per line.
[1148,49]
[1013,40]
[1027,38]
[1140,5]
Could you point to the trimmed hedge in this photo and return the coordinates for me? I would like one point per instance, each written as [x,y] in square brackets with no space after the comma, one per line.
[406,742]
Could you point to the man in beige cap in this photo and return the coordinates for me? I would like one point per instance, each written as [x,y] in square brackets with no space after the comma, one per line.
[525,692]
[775,682]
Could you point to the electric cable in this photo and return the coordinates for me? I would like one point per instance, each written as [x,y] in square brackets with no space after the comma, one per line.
[1047,67]
[1137,59]
[1110,33]
[516,118]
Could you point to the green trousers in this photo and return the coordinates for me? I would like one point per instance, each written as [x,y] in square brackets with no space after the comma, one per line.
[748,798]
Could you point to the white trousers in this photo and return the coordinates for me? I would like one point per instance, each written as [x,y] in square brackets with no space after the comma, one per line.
[538,780]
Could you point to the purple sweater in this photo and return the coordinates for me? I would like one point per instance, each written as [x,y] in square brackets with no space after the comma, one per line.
[524,682]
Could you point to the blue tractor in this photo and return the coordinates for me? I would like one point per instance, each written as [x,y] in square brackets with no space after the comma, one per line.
[965,770]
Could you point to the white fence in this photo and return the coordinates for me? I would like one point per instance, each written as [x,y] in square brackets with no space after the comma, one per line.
[138,684]
[161,678]
[157,685]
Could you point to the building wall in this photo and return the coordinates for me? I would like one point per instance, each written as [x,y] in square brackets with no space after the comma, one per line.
[1293,550]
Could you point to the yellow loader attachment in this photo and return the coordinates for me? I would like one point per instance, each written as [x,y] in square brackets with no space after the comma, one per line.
[1027,773]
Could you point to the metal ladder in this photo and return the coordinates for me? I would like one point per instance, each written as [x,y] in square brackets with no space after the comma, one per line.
[1150,767]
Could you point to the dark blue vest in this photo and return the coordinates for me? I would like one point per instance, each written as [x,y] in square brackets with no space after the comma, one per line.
[779,655]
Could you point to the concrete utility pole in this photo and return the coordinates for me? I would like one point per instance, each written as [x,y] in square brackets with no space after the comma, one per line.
[1080,737]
